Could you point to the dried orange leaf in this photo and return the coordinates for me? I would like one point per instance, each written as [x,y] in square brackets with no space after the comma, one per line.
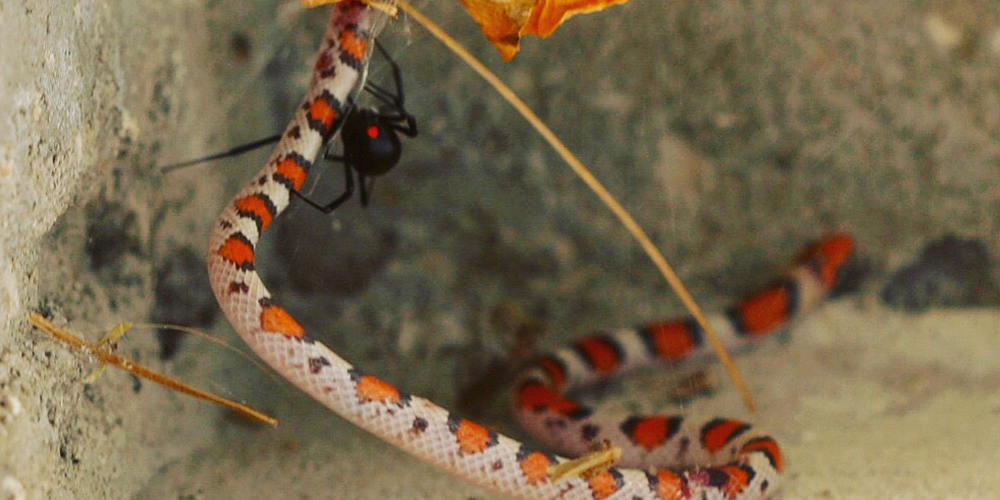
[504,22]
[501,22]
[549,14]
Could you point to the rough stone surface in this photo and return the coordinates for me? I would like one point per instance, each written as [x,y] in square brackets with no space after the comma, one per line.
[951,272]
[734,130]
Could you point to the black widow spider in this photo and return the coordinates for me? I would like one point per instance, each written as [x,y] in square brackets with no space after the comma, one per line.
[371,143]
[369,135]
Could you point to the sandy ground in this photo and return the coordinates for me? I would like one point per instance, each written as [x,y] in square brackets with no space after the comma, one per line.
[734,130]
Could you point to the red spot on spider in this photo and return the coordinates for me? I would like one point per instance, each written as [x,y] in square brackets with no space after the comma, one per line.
[373,132]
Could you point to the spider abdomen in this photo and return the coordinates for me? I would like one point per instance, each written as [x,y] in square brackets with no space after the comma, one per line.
[370,146]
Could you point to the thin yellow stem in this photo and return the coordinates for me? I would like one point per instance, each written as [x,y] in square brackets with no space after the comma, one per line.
[107,357]
[215,340]
[587,466]
[595,185]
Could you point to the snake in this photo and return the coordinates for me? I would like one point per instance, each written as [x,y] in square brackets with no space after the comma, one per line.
[664,457]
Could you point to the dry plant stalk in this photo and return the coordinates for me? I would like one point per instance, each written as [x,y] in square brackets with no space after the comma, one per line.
[595,185]
[666,270]
[589,465]
[105,356]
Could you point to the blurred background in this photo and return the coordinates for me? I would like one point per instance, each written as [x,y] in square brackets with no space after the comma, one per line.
[735,131]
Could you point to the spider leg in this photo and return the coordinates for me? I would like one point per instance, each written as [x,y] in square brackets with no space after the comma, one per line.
[405,124]
[384,96]
[238,150]
[338,158]
[396,101]
[397,117]
[367,185]
[346,195]
[397,77]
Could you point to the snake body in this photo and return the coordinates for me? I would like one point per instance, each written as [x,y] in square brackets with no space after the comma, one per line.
[721,459]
